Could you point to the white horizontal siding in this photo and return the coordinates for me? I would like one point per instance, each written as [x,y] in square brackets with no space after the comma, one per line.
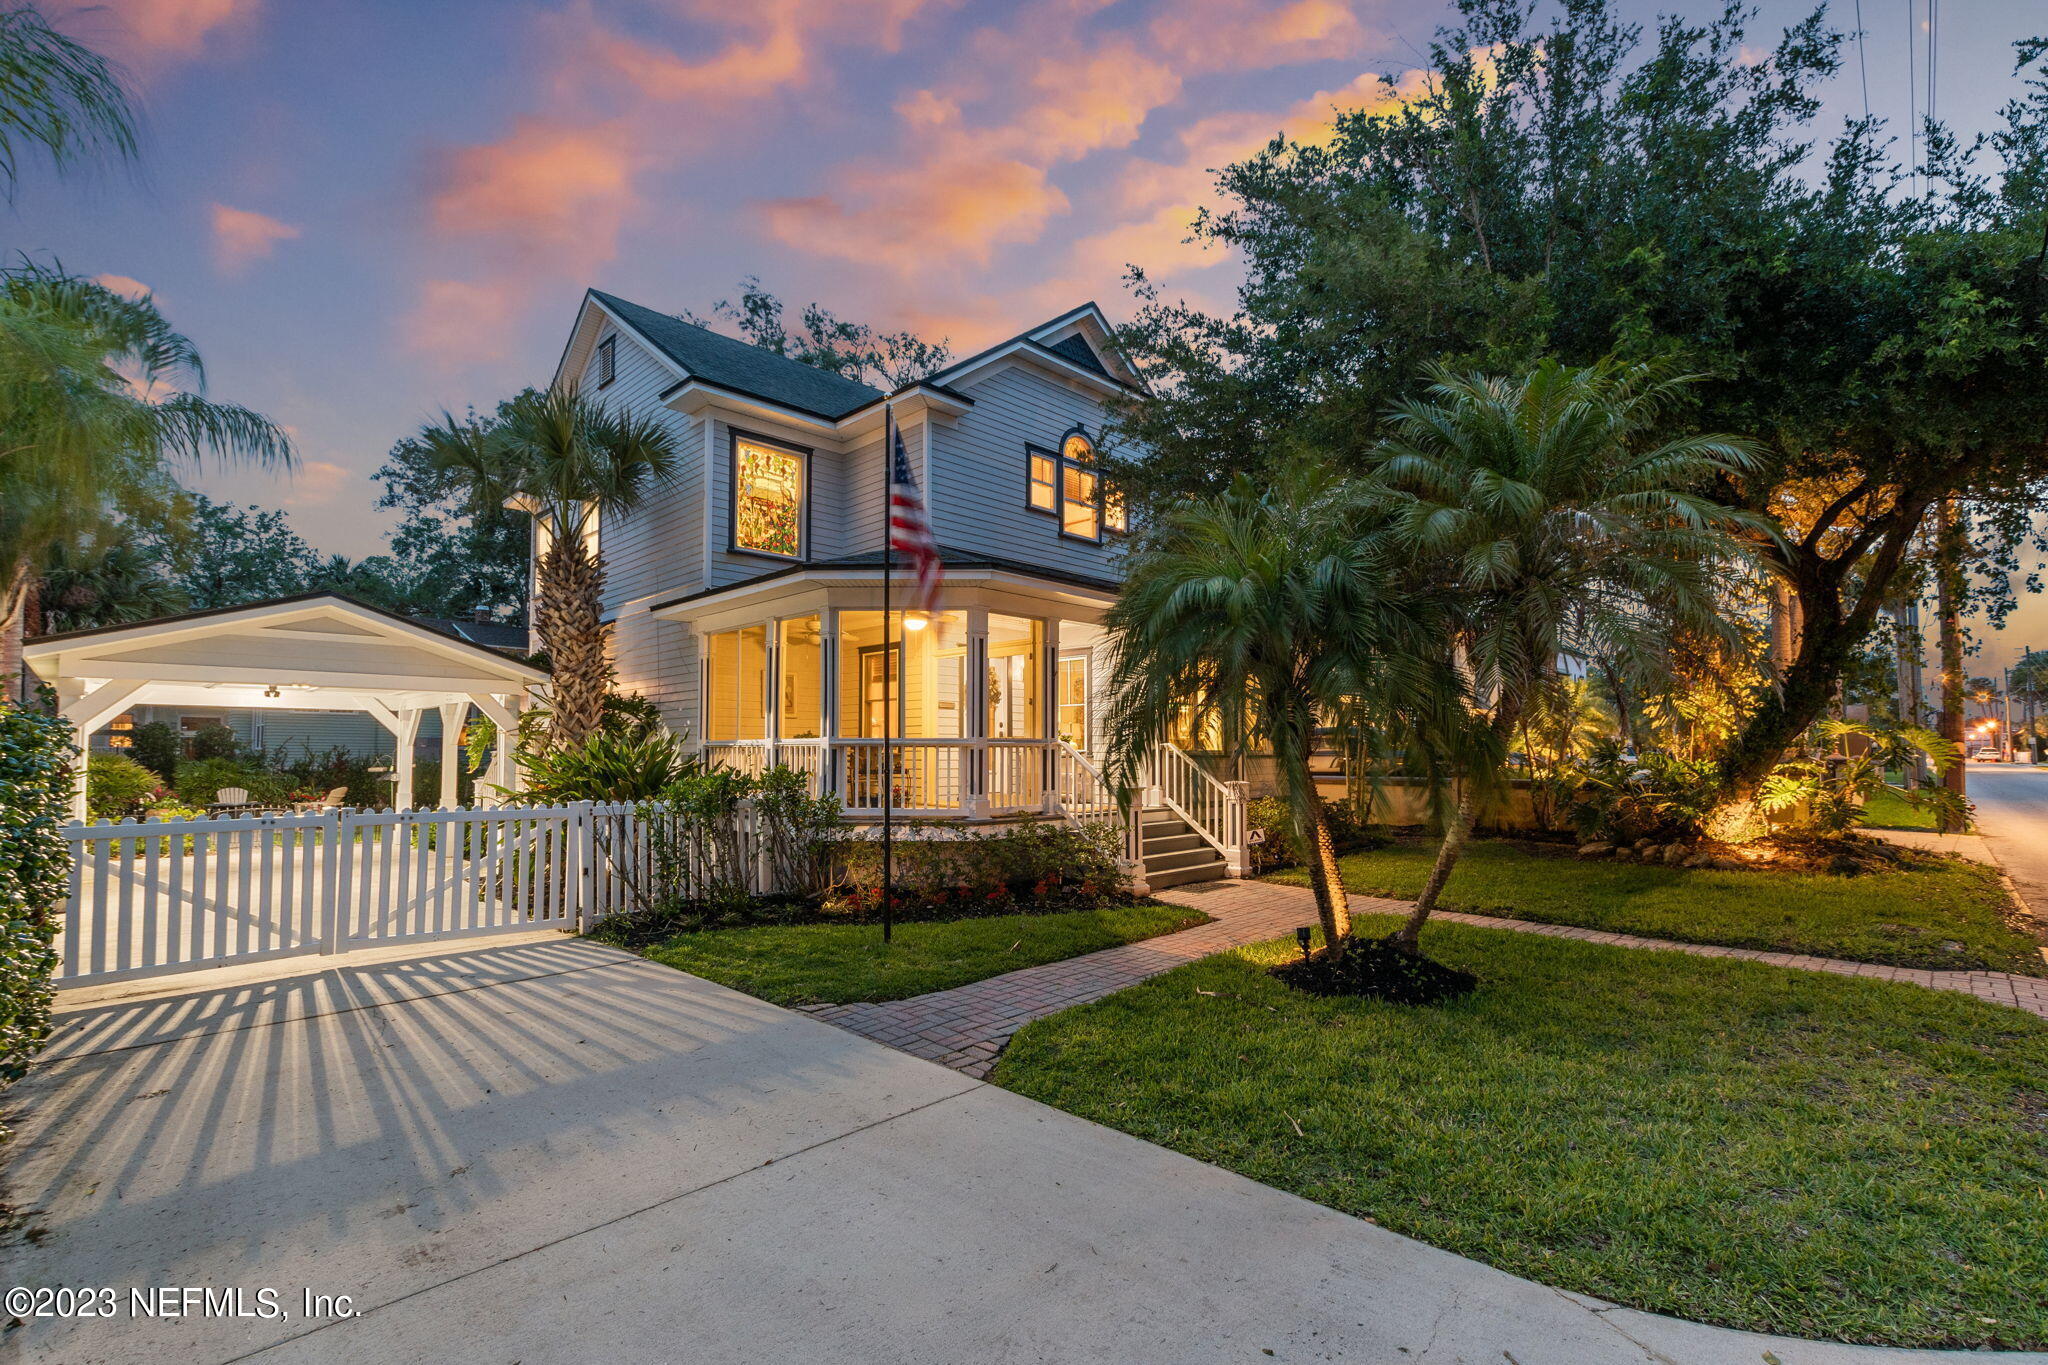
[978,472]
[645,550]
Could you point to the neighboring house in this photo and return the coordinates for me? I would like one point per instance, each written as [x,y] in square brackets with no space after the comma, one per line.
[296,733]
[746,595]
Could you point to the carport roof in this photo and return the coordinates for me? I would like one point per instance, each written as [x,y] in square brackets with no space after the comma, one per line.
[311,650]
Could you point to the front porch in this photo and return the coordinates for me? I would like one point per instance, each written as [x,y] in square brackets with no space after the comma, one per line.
[983,710]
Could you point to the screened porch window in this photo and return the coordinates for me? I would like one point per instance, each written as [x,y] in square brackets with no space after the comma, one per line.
[736,684]
[768,499]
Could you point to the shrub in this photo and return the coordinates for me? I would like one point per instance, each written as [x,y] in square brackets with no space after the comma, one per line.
[798,830]
[157,747]
[1656,796]
[1276,847]
[1032,864]
[313,775]
[213,740]
[614,763]
[35,866]
[118,788]
[200,779]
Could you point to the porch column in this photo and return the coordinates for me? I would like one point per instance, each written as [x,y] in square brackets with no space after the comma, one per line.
[976,719]
[703,688]
[828,702]
[452,716]
[1048,701]
[87,712]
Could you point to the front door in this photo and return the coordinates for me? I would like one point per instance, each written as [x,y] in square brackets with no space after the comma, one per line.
[879,696]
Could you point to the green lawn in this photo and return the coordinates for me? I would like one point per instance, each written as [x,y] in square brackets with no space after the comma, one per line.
[1887,810]
[1747,1145]
[1906,918]
[805,964]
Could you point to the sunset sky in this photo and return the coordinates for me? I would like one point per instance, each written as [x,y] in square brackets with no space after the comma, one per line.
[366,212]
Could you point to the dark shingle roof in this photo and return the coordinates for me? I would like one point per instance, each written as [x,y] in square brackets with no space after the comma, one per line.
[1077,349]
[733,364]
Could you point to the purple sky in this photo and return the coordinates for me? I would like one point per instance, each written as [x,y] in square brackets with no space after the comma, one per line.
[366,212]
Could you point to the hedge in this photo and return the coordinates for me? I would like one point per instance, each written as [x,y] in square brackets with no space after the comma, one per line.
[36,755]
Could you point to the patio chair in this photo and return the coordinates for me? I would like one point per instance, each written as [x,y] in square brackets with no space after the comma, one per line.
[229,800]
[334,800]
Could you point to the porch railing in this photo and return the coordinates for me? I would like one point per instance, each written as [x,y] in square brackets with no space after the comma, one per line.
[924,777]
[1215,810]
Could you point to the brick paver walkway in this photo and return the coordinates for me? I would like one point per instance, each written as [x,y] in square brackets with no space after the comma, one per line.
[964,1028]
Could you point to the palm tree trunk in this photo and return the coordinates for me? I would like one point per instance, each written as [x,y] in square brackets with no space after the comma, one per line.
[567,619]
[1333,905]
[1409,936]
[1456,835]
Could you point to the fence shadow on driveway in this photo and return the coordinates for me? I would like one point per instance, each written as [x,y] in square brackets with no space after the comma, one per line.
[378,1129]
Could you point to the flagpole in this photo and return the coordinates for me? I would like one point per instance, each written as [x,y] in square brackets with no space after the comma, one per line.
[888,712]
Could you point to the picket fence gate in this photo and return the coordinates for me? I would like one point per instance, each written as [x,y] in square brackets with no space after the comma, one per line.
[155,897]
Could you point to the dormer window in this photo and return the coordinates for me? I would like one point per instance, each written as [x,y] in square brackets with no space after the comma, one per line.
[769,484]
[607,360]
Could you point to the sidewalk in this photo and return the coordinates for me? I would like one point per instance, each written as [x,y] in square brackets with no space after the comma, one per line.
[964,1028]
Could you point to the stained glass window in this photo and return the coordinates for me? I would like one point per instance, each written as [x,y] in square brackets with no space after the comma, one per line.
[768,508]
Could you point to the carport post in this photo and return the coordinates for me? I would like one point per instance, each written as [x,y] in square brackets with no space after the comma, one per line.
[452,715]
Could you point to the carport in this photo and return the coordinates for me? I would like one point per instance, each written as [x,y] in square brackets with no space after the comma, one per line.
[314,651]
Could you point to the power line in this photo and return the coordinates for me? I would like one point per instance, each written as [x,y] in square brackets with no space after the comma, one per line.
[1863,58]
[1912,96]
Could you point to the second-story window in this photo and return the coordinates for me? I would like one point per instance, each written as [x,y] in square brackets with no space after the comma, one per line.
[607,360]
[1080,487]
[768,498]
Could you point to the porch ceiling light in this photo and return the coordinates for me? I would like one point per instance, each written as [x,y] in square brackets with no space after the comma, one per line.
[916,620]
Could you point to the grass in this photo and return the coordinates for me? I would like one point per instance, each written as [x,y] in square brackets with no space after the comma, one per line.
[807,964]
[1907,918]
[1888,810]
[1724,1141]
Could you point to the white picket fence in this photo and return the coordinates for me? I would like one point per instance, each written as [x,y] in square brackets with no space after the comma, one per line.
[150,898]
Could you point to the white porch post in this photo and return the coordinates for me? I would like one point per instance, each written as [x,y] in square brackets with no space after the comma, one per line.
[1048,703]
[976,683]
[452,715]
[828,702]
[87,712]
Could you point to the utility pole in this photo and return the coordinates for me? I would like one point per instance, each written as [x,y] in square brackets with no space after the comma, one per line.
[1949,542]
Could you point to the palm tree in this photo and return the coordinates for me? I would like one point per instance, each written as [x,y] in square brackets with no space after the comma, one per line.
[1561,521]
[100,405]
[97,582]
[569,461]
[58,95]
[1267,609]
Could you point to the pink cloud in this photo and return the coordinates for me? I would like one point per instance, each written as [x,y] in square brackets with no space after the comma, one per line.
[910,216]
[547,193]
[241,237]
[1224,35]
[151,32]
[126,286]
[460,321]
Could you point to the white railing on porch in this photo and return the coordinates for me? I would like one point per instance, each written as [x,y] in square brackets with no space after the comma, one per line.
[925,777]
[1215,810]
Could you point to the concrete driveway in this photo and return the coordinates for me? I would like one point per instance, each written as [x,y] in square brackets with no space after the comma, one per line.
[555,1152]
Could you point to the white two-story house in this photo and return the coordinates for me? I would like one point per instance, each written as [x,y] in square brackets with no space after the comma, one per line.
[746,596]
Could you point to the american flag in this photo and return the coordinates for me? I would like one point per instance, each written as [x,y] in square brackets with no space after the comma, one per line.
[910,534]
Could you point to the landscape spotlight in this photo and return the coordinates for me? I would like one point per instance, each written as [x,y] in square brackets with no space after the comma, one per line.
[1301,936]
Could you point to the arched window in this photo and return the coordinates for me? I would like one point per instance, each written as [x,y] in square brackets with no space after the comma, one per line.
[1068,485]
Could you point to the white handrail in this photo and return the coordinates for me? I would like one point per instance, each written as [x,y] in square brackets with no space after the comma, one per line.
[1083,792]
[1214,810]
